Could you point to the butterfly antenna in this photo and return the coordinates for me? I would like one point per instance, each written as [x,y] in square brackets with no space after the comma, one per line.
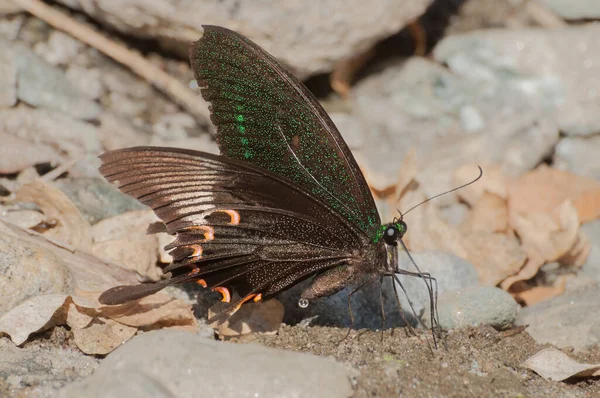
[443,193]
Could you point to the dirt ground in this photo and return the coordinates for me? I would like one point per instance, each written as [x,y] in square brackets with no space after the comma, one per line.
[471,362]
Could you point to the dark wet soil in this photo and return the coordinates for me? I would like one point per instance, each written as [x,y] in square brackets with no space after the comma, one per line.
[471,362]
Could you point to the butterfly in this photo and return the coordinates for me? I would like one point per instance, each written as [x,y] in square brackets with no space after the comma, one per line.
[284,202]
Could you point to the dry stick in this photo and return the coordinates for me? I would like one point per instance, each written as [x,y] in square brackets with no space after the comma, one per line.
[177,91]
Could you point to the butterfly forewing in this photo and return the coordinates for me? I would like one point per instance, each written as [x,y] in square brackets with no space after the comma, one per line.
[237,226]
[265,116]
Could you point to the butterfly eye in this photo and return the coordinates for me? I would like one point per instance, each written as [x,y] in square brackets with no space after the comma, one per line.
[391,234]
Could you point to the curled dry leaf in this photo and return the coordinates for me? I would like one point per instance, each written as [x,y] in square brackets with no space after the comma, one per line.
[31,316]
[488,214]
[578,254]
[551,234]
[494,255]
[493,181]
[553,364]
[24,218]
[529,270]
[261,317]
[102,336]
[123,239]
[157,310]
[72,228]
[545,188]
[345,70]
[530,295]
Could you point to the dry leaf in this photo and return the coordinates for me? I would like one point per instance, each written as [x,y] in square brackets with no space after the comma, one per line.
[123,239]
[408,172]
[553,364]
[157,309]
[72,228]
[530,269]
[533,295]
[545,188]
[344,71]
[495,256]
[261,317]
[31,316]
[102,336]
[493,181]
[578,254]
[24,218]
[552,235]
[489,214]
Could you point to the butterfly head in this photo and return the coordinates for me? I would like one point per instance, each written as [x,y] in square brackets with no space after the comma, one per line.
[391,233]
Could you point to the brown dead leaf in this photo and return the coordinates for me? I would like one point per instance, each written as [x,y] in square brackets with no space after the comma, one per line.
[552,234]
[489,214]
[261,317]
[102,336]
[123,239]
[494,255]
[72,228]
[545,188]
[24,218]
[344,71]
[530,295]
[159,309]
[89,272]
[408,172]
[493,181]
[530,269]
[553,364]
[31,316]
[578,254]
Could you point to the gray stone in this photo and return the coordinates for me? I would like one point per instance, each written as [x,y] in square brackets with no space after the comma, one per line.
[557,69]
[45,86]
[87,80]
[180,364]
[97,199]
[69,137]
[579,155]
[574,9]
[449,121]
[28,270]
[475,306]
[451,272]
[8,80]
[40,370]
[566,321]
[592,264]
[338,29]
[60,49]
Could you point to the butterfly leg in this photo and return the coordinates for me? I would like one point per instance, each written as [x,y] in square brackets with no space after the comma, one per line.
[356,289]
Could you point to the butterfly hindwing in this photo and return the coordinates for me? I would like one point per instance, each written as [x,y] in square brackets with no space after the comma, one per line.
[265,116]
[238,228]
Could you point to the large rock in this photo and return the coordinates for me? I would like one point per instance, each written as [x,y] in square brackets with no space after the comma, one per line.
[558,69]
[338,29]
[184,365]
[40,84]
[448,120]
[566,321]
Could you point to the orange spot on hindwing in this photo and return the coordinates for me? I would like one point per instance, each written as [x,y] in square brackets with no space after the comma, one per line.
[235,216]
[254,297]
[225,295]
[207,231]
[201,282]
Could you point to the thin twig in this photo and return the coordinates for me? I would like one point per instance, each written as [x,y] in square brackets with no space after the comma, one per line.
[177,91]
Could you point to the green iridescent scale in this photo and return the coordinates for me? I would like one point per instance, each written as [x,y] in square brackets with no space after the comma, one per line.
[266,116]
